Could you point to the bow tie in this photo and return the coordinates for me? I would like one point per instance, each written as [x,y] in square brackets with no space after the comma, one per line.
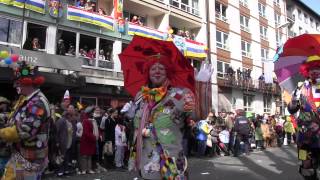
[154,94]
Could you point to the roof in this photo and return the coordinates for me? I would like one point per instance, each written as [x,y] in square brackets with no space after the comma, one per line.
[307,8]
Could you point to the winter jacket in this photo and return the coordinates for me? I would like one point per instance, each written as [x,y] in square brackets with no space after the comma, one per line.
[203,130]
[242,125]
[87,140]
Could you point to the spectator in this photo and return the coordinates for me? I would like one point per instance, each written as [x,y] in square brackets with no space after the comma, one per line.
[289,130]
[193,37]
[224,137]
[261,81]
[87,141]
[258,134]
[266,133]
[81,4]
[187,35]
[108,125]
[71,50]
[202,135]
[88,6]
[242,130]
[4,148]
[64,141]
[83,53]
[61,49]
[120,143]
[101,55]
[35,44]
[101,12]
[136,20]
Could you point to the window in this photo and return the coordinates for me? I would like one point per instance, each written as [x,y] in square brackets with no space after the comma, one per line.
[246,48]
[105,54]
[277,19]
[247,103]
[36,37]
[10,32]
[262,10]
[221,12]
[66,43]
[317,26]
[300,14]
[277,2]
[266,104]
[263,32]
[244,23]
[222,68]
[300,30]
[306,19]
[243,3]
[264,54]
[311,22]
[87,49]
[278,37]
[222,40]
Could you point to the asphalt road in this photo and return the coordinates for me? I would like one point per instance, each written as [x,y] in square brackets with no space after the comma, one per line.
[272,164]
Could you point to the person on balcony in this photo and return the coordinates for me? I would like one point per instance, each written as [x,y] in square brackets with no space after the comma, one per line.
[101,55]
[136,20]
[101,12]
[61,49]
[239,76]
[261,81]
[35,44]
[81,4]
[230,75]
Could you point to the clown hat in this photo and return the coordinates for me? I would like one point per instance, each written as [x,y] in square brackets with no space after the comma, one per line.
[66,95]
[27,74]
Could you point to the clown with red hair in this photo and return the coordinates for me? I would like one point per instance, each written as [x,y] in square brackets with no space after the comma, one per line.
[305,105]
[28,127]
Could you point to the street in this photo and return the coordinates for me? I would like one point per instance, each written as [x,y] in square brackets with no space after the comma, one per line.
[275,163]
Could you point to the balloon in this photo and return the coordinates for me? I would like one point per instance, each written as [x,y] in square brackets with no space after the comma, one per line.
[4,54]
[15,57]
[8,61]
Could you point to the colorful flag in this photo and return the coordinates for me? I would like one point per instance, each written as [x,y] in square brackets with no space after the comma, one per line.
[118,8]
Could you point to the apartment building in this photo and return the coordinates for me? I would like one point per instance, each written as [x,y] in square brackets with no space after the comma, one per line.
[78,47]
[248,33]
[301,19]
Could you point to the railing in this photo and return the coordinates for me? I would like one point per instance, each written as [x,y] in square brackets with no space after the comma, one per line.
[185,7]
[249,85]
[92,62]
[221,17]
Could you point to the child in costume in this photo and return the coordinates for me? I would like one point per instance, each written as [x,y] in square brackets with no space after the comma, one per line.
[28,127]
[4,149]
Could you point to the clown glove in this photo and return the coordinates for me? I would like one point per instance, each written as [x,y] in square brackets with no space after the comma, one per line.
[9,134]
[204,75]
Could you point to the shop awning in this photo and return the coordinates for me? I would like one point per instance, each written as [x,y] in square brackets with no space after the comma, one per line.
[43,59]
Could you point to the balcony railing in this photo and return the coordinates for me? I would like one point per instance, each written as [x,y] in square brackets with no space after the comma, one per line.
[250,85]
[184,7]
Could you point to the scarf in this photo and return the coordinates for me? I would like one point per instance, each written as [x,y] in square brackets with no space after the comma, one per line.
[151,98]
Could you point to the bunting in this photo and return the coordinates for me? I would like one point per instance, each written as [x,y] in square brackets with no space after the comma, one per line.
[33,5]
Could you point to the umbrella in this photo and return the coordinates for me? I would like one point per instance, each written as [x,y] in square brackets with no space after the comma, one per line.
[134,61]
[291,55]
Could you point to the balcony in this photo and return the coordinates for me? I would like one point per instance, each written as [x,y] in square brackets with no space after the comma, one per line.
[250,85]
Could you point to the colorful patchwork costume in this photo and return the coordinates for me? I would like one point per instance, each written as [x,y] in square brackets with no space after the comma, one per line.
[305,105]
[162,152]
[28,131]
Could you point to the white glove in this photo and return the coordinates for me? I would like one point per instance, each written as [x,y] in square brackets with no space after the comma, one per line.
[204,75]
[129,109]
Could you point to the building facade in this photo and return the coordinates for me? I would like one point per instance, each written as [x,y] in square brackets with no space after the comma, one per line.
[301,19]
[247,36]
[76,43]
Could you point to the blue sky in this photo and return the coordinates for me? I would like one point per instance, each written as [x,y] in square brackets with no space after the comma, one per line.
[313,4]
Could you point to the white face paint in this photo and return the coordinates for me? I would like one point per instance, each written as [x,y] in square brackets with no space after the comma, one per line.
[18,90]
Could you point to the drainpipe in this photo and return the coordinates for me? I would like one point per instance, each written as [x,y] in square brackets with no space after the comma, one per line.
[208,90]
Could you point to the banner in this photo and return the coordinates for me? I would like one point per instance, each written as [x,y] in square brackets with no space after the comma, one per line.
[135,29]
[76,14]
[33,5]
[118,8]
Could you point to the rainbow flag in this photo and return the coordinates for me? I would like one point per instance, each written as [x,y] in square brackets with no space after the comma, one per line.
[76,14]
[195,49]
[135,29]
[33,5]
